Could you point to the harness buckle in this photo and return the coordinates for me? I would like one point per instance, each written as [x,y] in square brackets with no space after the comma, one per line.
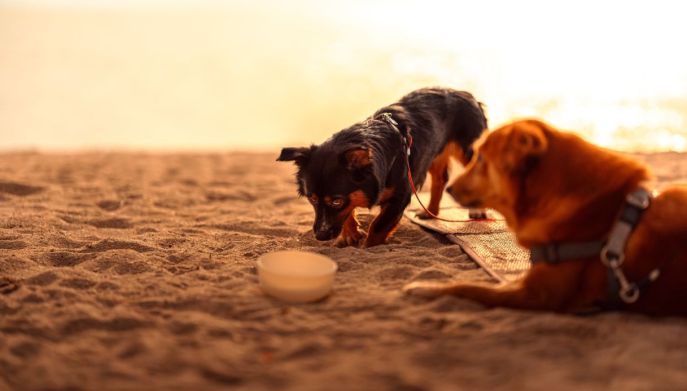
[611,259]
[639,198]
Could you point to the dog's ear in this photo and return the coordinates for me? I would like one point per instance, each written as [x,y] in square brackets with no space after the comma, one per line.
[357,158]
[530,141]
[298,155]
[527,143]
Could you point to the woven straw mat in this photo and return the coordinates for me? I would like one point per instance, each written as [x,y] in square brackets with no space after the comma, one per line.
[488,242]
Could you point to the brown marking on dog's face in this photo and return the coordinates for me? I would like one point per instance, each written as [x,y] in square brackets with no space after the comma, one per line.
[331,212]
[492,178]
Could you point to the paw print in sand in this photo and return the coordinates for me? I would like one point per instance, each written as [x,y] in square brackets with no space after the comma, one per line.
[7,286]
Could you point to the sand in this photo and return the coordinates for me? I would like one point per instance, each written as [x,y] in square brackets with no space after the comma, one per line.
[132,271]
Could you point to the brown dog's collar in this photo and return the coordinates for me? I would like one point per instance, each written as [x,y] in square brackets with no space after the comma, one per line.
[635,204]
[559,252]
[611,250]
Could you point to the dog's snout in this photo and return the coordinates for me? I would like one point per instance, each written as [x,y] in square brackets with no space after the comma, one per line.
[323,235]
[324,231]
[449,190]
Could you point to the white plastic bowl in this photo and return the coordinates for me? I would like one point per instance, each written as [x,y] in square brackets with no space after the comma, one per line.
[296,276]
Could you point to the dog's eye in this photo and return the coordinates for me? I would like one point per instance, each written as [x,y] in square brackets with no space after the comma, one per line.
[313,199]
[337,203]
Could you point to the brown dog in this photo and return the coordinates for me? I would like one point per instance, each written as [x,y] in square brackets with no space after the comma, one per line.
[555,188]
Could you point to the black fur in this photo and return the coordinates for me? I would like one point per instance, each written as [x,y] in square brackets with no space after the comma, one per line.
[433,116]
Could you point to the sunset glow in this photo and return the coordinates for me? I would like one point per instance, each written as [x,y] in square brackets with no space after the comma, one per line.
[260,75]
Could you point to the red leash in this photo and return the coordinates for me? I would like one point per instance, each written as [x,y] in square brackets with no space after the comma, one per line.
[409,139]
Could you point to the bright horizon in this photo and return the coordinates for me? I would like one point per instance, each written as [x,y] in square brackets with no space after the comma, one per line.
[176,75]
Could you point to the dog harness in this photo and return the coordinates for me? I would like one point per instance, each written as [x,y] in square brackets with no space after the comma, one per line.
[406,138]
[611,251]
[407,141]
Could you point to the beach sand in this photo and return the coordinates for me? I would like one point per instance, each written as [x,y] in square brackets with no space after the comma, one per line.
[132,271]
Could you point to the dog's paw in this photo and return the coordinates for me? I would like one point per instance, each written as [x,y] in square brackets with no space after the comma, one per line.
[477,214]
[424,215]
[351,238]
[425,289]
[375,240]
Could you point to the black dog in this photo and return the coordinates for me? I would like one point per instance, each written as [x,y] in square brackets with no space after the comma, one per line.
[365,164]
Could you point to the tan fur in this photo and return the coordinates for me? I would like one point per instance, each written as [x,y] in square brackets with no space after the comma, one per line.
[351,234]
[572,193]
[382,236]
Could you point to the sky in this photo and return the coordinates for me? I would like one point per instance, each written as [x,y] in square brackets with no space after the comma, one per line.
[211,75]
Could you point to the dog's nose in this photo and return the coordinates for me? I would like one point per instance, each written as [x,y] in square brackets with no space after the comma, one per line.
[323,235]
[449,190]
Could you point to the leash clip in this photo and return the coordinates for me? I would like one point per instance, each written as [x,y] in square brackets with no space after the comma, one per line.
[640,199]
[388,118]
[407,139]
[629,292]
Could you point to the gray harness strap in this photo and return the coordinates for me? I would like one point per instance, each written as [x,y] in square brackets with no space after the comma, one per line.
[560,252]
[612,251]
[613,254]
[405,136]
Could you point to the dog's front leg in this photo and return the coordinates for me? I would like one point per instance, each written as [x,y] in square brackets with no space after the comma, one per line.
[351,234]
[387,220]
[496,296]
[537,290]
